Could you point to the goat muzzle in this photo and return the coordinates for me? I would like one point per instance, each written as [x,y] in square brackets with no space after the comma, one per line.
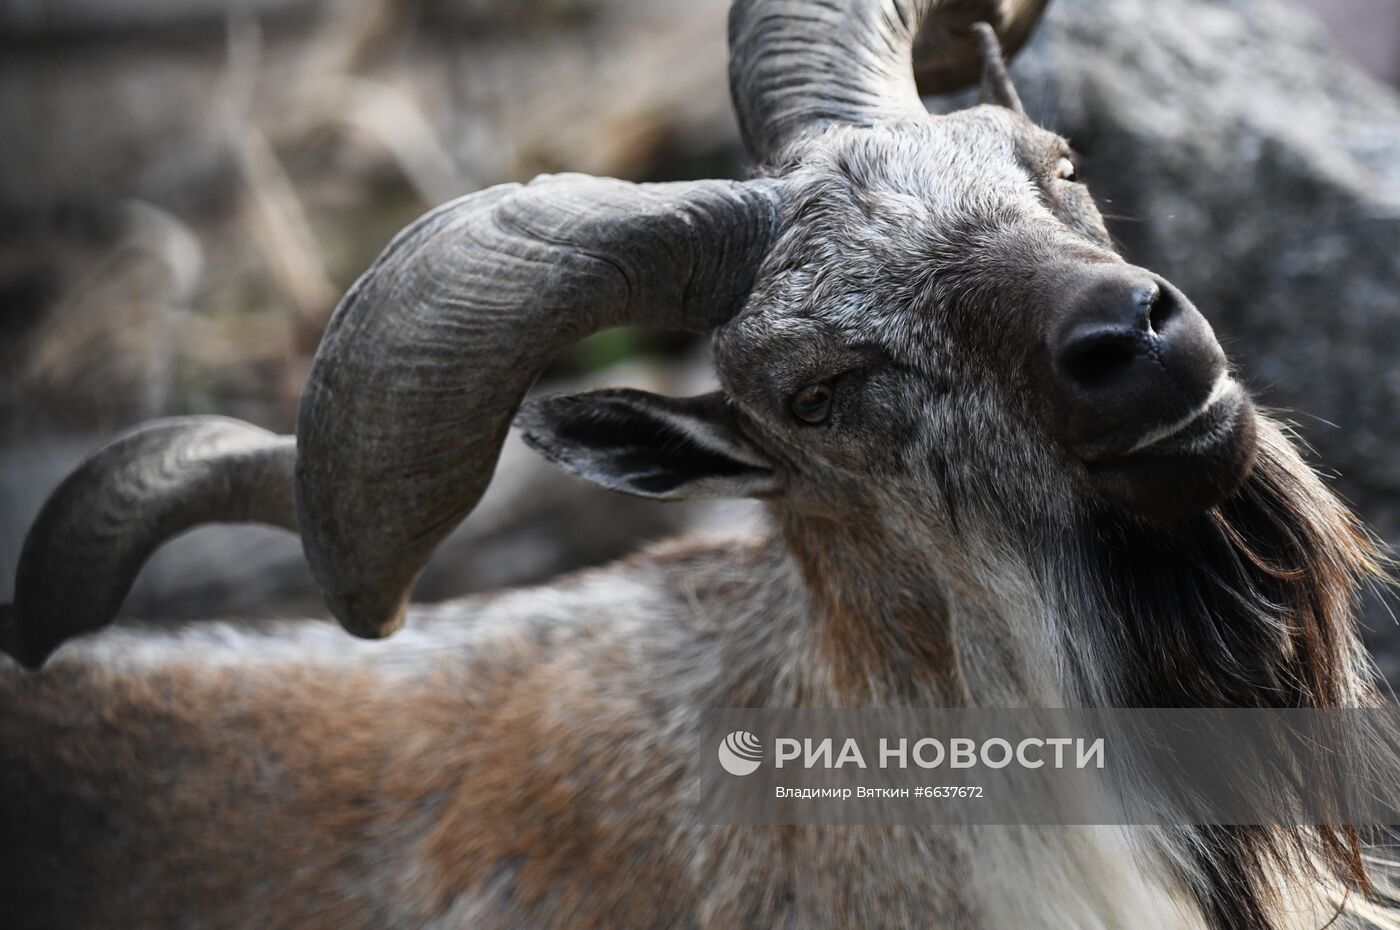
[1138,389]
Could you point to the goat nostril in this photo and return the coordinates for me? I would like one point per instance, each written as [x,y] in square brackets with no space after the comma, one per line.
[1161,308]
[1093,361]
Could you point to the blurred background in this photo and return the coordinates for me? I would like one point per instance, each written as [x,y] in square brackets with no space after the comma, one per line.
[188,186]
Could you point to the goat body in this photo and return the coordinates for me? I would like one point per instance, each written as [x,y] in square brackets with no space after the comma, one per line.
[514,760]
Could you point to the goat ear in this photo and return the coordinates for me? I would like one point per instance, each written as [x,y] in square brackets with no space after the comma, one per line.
[648,445]
[996,81]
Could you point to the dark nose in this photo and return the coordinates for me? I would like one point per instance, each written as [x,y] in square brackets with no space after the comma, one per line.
[1129,353]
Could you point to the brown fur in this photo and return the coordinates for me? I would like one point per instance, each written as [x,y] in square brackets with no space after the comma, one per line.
[885,633]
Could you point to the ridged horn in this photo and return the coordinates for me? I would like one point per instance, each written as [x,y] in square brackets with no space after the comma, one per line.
[798,66]
[430,354]
[98,528]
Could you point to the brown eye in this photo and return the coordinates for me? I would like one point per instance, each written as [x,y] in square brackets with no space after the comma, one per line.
[812,404]
[1064,170]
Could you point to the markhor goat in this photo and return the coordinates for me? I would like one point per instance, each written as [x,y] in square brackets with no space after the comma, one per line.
[1002,466]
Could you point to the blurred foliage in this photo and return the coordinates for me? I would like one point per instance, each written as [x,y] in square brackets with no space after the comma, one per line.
[196,182]
[612,346]
[190,185]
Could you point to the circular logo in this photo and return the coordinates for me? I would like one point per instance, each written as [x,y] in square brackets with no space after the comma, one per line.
[740,753]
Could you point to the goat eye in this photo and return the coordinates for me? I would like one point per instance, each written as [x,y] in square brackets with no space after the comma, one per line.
[812,404]
[1064,170]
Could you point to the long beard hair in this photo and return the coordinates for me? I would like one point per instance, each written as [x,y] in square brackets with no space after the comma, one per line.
[1252,605]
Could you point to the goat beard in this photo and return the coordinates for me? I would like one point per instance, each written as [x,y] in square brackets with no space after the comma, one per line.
[1252,604]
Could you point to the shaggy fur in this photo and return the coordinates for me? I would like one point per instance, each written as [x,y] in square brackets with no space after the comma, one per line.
[498,762]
